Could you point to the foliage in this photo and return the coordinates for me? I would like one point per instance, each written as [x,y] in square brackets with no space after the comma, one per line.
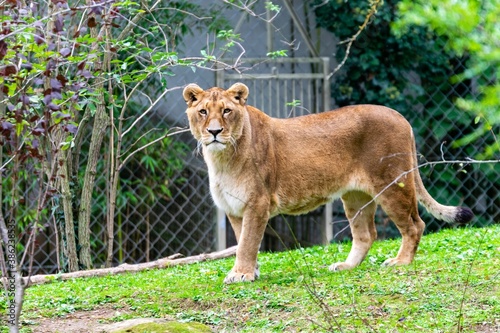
[407,71]
[413,72]
[45,86]
[454,279]
[473,29]
[50,74]
[380,65]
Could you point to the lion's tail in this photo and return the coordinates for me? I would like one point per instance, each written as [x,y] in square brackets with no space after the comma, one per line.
[450,214]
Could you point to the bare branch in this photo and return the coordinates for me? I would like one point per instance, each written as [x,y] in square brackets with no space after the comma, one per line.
[133,22]
[181,130]
[148,110]
[403,174]
[350,41]
[160,263]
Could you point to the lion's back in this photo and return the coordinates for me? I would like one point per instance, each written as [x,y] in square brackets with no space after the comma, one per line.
[317,155]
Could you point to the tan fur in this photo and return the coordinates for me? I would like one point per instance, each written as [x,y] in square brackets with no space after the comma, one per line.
[260,167]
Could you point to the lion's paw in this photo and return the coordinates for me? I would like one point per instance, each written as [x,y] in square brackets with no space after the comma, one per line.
[234,277]
[395,262]
[239,277]
[339,266]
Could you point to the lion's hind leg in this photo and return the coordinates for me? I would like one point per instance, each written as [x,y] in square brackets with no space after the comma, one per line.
[360,210]
[402,209]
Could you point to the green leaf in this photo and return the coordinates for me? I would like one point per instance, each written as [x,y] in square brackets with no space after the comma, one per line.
[92,108]
[272,7]
[277,54]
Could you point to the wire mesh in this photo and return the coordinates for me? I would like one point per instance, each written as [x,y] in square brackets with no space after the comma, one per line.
[151,222]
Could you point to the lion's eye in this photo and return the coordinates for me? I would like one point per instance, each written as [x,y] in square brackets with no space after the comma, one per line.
[203,112]
[226,111]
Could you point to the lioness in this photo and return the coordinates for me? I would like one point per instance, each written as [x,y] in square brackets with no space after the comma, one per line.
[260,167]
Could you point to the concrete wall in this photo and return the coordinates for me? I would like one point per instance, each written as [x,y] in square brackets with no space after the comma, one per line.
[258,38]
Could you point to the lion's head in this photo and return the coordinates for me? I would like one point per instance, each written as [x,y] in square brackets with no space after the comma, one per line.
[216,116]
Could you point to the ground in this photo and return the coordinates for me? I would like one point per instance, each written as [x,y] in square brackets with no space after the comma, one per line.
[452,286]
[77,322]
[96,321]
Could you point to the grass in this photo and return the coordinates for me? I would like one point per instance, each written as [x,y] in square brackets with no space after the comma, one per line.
[452,286]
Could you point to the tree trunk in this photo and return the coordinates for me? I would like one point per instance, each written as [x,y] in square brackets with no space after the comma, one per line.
[101,121]
[69,226]
[111,214]
[13,282]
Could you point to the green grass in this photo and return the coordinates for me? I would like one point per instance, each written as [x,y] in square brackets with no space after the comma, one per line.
[454,279]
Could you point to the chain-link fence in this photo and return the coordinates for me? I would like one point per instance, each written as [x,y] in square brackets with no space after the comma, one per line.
[164,205]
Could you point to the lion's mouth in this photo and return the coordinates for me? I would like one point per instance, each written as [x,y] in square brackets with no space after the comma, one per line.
[215,141]
[215,145]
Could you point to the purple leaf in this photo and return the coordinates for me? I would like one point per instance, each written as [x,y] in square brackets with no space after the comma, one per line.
[50,65]
[47,99]
[71,128]
[58,24]
[27,65]
[51,46]
[54,107]
[34,143]
[77,86]
[65,52]
[25,99]
[86,74]
[55,84]
[38,131]
[63,116]
[6,126]
[56,94]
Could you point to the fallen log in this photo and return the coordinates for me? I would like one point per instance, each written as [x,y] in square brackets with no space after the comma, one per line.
[123,268]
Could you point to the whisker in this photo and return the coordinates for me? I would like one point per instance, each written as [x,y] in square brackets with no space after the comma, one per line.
[234,144]
[198,147]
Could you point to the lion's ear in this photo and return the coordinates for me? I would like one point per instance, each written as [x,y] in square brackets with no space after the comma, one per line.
[239,92]
[191,92]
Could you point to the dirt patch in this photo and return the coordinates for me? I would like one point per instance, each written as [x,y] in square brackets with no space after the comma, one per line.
[99,321]
[487,328]
[77,322]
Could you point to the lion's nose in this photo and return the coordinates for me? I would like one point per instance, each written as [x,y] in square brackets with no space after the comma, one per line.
[214,131]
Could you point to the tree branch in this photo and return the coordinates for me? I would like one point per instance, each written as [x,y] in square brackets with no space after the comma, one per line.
[124,268]
[350,41]
[182,130]
[462,162]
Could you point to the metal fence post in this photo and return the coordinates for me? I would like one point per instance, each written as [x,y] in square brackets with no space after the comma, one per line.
[327,229]
[221,230]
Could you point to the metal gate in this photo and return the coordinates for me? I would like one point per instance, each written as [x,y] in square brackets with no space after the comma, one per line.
[282,88]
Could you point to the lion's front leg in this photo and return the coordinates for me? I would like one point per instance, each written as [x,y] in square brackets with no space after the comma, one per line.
[249,233]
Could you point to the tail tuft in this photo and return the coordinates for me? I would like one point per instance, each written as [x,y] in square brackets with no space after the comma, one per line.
[464,215]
